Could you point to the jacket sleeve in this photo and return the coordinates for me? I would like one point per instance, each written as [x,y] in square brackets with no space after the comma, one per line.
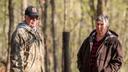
[116,58]
[16,55]
[80,56]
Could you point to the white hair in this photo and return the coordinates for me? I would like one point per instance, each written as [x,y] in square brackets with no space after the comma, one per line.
[103,18]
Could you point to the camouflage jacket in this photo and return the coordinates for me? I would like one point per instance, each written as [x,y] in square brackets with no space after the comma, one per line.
[27,50]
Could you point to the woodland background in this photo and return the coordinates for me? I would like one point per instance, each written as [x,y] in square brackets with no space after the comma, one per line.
[58,16]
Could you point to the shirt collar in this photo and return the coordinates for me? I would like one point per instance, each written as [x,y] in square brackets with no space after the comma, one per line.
[26,26]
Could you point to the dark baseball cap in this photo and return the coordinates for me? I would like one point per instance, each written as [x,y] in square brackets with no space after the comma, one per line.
[31,11]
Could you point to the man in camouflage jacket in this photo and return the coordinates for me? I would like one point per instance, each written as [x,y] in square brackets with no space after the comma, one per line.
[27,45]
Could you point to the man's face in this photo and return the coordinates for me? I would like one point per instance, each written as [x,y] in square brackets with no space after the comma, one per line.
[32,21]
[101,28]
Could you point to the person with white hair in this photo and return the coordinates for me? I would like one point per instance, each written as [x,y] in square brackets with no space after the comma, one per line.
[101,51]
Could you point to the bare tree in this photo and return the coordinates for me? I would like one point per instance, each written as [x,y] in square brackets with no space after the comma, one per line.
[54,35]
[65,14]
[11,25]
[81,20]
[23,6]
[66,53]
[125,38]
[44,5]
[3,59]
[64,29]
[93,11]
[101,6]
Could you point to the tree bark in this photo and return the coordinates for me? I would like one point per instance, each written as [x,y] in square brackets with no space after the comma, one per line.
[23,7]
[44,5]
[65,14]
[81,20]
[11,27]
[53,36]
[66,56]
[99,7]
[93,10]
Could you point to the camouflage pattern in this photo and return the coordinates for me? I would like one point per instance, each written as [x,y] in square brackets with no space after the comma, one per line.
[27,50]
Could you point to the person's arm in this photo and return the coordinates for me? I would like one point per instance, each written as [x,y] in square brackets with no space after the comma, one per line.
[42,51]
[43,56]
[80,59]
[80,55]
[16,55]
[117,58]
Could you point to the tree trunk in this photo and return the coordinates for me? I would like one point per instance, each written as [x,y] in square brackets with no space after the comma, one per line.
[81,20]
[11,25]
[65,15]
[93,10]
[64,29]
[53,35]
[43,5]
[4,40]
[125,38]
[23,7]
[101,7]
[66,56]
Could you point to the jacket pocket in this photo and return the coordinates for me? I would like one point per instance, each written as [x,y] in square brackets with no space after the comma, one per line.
[100,62]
